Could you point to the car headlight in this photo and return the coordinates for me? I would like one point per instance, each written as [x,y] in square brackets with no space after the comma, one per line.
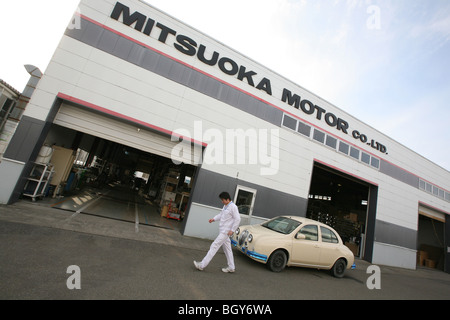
[250,238]
[238,231]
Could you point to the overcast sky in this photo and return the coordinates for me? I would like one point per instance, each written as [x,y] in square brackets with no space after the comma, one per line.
[386,62]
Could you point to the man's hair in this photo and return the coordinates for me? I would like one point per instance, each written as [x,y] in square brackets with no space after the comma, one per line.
[225,195]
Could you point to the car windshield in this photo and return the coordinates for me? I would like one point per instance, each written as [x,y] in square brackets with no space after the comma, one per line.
[282,225]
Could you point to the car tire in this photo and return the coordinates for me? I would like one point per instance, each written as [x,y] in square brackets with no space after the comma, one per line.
[339,268]
[277,261]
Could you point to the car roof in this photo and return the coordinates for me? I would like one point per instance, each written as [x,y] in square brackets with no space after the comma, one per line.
[304,220]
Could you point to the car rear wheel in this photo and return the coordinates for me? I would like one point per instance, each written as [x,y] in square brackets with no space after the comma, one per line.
[339,268]
[277,261]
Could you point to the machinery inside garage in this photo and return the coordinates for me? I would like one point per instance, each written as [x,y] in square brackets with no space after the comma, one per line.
[83,173]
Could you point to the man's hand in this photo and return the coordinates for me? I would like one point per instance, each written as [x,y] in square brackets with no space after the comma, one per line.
[211,220]
[230,233]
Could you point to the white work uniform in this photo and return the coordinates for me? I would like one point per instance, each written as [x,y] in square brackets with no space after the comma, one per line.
[229,219]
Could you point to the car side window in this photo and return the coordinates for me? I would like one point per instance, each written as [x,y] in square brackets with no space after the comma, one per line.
[328,235]
[310,232]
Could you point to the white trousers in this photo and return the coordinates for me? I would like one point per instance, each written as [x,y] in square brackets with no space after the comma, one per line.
[222,240]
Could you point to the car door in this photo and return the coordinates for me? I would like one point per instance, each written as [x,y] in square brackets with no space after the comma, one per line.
[306,246]
[329,247]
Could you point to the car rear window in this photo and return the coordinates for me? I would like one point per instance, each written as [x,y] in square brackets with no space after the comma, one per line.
[328,235]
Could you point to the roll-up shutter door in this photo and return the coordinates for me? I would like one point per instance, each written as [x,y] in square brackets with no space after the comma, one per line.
[430,213]
[116,130]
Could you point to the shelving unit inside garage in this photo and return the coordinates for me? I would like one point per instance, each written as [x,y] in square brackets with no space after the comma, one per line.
[37,182]
[173,201]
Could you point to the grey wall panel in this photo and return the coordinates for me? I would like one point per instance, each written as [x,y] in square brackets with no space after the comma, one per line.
[212,88]
[269,203]
[26,144]
[123,48]
[150,60]
[24,140]
[178,73]
[93,33]
[136,55]
[395,235]
[77,33]
[163,66]
[10,173]
[399,174]
[271,115]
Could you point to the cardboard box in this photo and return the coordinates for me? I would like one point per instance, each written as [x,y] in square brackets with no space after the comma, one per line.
[353,217]
[430,263]
[422,256]
[353,248]
[164,211]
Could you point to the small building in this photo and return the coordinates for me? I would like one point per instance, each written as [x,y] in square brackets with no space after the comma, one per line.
[9,117]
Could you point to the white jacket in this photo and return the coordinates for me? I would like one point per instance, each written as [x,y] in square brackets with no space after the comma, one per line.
[229,218]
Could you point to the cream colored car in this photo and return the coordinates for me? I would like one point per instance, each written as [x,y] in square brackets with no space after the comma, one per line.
[294,241]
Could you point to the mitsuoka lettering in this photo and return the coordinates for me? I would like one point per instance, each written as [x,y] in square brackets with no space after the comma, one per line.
[188,46]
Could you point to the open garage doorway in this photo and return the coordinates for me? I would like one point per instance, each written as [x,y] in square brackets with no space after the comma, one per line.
[96,176]
[431,238]
[342,202]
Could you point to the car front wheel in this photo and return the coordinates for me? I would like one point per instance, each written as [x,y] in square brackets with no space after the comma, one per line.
[339,268]
[277,261]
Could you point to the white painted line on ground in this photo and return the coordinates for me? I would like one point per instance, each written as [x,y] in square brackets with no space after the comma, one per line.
[88,205]
[136,211]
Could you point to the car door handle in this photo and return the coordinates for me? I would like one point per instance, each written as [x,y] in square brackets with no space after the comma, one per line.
[316,246]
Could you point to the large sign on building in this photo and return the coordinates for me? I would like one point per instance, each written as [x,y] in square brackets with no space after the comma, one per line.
[229,67]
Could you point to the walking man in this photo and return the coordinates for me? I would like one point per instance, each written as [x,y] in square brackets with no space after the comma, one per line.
[229,219]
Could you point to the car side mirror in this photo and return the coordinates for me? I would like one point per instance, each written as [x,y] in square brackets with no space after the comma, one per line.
[300,236]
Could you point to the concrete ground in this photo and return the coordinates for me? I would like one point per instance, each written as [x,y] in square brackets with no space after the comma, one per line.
[117,261]
[114,201]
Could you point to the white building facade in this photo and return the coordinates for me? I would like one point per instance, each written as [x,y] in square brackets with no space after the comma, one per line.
[129,73]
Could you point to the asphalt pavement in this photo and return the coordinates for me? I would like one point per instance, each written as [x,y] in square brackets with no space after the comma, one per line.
[52,254]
